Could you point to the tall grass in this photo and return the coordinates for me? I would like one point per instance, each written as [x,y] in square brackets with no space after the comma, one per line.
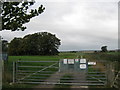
[110,56]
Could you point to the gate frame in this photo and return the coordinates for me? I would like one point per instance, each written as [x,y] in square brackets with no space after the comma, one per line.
[15,68]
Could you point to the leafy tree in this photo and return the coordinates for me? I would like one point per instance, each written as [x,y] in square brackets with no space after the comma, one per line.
[16,14]
[42,43]
[29,46]
[104,49]
[15,46]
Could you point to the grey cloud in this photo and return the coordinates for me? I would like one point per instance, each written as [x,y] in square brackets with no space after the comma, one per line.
[79,25]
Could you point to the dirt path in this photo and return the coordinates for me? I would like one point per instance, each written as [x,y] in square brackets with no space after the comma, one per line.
[54,78]
[79,78]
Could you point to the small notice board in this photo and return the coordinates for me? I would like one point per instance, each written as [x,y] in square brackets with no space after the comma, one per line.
[82,60]
[65,61]
[91,63]
[76,60]
[83,66]
[70,61]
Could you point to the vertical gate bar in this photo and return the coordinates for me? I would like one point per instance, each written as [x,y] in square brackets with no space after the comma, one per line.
[106,74]
[16,68]
[13,72]
[59,66]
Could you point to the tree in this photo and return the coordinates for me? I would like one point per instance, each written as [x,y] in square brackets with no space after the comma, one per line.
[16,14]
[15,46]
[42,43]
[29,46]
[104,49]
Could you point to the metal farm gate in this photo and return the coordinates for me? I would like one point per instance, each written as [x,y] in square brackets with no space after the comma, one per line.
[33,71]
[52,73]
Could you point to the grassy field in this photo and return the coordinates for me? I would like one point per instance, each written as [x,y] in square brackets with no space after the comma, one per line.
[111,56]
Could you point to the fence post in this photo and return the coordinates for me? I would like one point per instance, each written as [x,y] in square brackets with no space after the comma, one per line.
[110,73]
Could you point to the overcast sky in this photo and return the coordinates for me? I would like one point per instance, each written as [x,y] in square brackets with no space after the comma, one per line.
[80,24]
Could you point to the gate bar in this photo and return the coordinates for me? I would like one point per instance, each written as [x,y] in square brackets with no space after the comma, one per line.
[64,81]
[39,71]
[13,72]
[81,84]
[38,61]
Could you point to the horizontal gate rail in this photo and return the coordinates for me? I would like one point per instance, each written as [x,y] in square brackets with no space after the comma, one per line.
[65,81]
[39,71]
[57,67]
[96,75]
[58,75]
[39,61]
[35,71]
[38,74]
[65,78]
[37,66]
[96,72]
[97,78]
[80,84]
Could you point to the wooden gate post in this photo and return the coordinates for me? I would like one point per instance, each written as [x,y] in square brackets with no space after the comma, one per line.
[110,73]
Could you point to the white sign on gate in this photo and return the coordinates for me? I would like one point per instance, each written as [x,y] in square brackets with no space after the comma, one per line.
[82,60]
[76,60]
[70,61]
[83,66]
[91,63]
[65,61]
